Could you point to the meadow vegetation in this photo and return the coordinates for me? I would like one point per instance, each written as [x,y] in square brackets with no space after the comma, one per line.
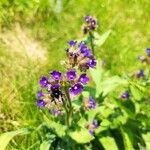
[33,36]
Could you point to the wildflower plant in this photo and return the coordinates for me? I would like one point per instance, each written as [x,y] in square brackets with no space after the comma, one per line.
[86,114]
[58,91]
[83,107]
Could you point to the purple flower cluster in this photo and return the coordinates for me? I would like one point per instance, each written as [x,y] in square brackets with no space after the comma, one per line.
[90,103]
[92,126]
[80,55]
[90,24]
[50,95]
[77,86]
[140,74]
[57,91]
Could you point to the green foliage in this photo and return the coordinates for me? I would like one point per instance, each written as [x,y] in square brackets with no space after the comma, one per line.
[122,124]
[99,40]
[105,84]
[6,137]
[108,142]
[81,136]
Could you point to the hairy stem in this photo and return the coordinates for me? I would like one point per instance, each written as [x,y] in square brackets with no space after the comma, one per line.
[66,110]
[69,112]
[91,37]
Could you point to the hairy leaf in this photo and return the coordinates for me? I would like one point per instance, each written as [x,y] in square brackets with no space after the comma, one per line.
[100,39]
[82,136]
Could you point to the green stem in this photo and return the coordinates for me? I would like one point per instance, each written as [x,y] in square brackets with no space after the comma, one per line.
[91,36]
[66,109]
[69,112]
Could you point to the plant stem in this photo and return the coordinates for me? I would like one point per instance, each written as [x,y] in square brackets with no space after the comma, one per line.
[91,37]
[69,112]
[66,109]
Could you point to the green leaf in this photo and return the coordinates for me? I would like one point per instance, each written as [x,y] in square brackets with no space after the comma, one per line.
[112,83]
[58,128]
[45,145]
[92,113]
[137,94]
[146,138]
[105,85]
[100,40]
[6,137]
[108,143]
[127,107]
[127,138]
[97,73]
[82,136]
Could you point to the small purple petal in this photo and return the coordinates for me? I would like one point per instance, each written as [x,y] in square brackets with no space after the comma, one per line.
[92,103]
[148,51]
[72,43]
[87,53]
[87,18]
[43,81]
[125,95]
[71,75]
[76,89]
[82,47]
[95,124]
[56,112]
[91,131]
[40,103]
[56,75]
[55,87]
[40,94]
[83,79]
[140,73]
[91,63]
[93,23]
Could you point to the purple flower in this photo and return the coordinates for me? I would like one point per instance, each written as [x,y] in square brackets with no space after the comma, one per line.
[125,95]
[40,103]
[91,131]
[72,43]
[43,81]
[56,112]
[55,87]
[40,94]
[87,18]
[92,103]
[71,75]
[56,75]
[95,124]
[83,79]
[76,89]
[82,47]
[93,23]
[148,51]
[87,53]
[91,63]
[140,73]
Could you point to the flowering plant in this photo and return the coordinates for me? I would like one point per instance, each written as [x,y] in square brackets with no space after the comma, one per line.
[86,114]
[81,107]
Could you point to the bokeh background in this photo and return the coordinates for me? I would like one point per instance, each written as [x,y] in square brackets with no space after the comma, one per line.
[33,36]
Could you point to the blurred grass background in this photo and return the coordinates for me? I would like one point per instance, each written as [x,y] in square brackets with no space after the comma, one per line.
[33,35]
